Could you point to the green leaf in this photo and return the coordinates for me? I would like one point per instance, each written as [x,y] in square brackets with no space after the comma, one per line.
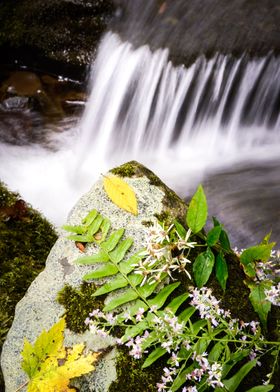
[105,227]
[266,239]
[120,250]
[90,217]
[177,302]
[233,360]
[127,296]
[181,378]
[100,257]
[80,238]
[137,329]
[148,289]
[215,221]
[213,235]
[197,211]
[30,361]
[116,283]
[221,270]
[75,229]
[95,225]
[134,279]
[203,267]
[162,296]
[180,229]
[250,270]
[107,269]
[216,352]
[233,383]
[258,252]
[261,388]
[133,309]
[154,356]
[127,266]
[198,326]
[186,314]
[48,342]
[112,241]
[201,345]
[224,241]
[258,299]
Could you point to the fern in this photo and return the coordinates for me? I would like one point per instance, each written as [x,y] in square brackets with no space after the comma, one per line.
[112,262]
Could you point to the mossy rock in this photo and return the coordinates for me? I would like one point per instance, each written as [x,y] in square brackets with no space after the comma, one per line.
[25,241]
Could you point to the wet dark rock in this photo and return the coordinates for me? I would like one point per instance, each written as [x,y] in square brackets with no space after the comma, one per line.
[191,28]
[32,105]
[63,34]
[22,83]
[58,31]
[14,103]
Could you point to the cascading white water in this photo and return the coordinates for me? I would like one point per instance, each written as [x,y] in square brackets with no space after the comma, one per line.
[180,122]
[141,104]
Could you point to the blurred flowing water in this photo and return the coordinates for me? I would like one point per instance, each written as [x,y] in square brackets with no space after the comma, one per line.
[215,122]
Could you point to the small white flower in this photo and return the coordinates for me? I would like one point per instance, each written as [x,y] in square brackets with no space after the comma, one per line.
[139,314]
[174,359]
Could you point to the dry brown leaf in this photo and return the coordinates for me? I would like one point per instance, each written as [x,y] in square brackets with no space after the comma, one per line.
[121,193]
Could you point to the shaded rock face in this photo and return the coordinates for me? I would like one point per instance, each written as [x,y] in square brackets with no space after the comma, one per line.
[191,28]
[39,308]
[64,31]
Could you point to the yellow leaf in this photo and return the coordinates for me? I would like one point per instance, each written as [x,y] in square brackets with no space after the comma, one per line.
[121,193]
[50,366]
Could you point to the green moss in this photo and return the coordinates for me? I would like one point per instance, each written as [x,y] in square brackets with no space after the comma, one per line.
[25,243]
[173,205]
[165,217]
[78,304]
[130,376]
[126,170]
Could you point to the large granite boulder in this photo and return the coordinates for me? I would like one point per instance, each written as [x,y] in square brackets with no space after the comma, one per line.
[39,308]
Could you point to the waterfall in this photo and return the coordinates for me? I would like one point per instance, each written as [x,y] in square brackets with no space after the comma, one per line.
[187,124]
[215,111]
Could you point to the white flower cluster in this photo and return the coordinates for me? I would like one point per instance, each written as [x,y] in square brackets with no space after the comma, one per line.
[213,371]
[98,321]
[136,345]
[273,294]
[207,305]
[159,259]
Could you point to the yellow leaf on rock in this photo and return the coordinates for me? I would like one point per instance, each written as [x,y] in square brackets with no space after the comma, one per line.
[50,366]
[121,193]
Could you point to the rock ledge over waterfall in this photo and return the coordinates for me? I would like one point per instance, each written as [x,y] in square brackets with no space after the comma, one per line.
[39,308]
